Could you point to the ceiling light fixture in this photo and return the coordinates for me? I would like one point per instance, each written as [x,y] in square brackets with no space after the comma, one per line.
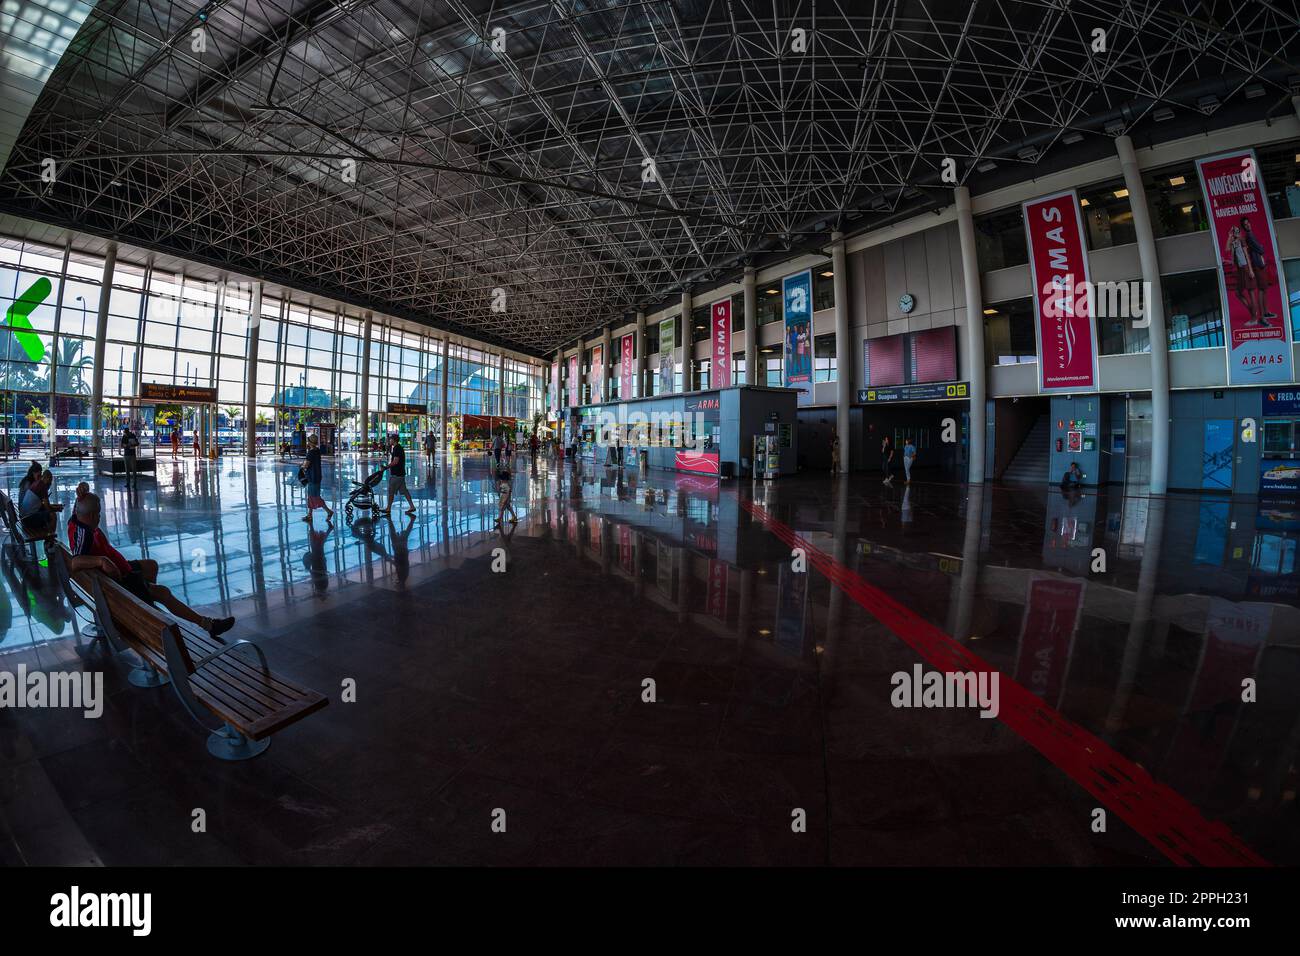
[1163,115]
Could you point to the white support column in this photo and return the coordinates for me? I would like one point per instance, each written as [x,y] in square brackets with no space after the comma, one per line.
[1153,302]
[844,358]
[688,346]
[640,389]
[582,371]
[250,365]
[976,368]
[365,380]
[101,347]
[446,374]
[748,284]
[501,386]
[606,342]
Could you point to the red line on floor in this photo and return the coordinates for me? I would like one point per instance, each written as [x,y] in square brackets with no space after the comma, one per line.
[1163,817]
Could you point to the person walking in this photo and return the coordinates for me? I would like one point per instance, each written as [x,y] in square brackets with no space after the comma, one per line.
[397,476]
[129,444]
[887,459]
[198,449]
[835,453]
[430,447]
[498,446]
[909,456]
[312,469]
[176,442]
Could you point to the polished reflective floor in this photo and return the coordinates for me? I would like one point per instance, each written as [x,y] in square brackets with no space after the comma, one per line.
[511,673]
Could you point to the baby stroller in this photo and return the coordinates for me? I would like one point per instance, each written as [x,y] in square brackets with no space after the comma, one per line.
[363,494]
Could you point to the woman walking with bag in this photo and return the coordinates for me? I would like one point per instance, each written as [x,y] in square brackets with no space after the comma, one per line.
[311,471]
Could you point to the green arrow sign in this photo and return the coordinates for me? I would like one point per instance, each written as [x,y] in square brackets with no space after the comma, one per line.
[21,326]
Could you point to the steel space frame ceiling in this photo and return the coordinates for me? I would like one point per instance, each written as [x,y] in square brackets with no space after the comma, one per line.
[600,156]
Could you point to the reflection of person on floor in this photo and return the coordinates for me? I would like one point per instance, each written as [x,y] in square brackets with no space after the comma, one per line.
[504,492]
[400,550]
[92,552]
[314,560]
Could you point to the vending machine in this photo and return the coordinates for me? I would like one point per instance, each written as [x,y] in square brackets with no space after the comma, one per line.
[767,457]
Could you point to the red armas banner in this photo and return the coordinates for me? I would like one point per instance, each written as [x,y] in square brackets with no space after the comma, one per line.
[720,370]
[1058,261]
[1259,349]
[626,369]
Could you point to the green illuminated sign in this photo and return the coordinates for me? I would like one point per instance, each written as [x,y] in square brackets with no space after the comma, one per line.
[17,321]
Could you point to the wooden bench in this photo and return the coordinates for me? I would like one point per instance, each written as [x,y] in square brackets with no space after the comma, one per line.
[12,524]
[206,673]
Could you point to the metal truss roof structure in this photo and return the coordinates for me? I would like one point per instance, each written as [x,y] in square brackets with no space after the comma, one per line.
[589,158]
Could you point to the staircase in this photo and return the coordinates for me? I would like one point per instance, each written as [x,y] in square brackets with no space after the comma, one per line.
[1030,464]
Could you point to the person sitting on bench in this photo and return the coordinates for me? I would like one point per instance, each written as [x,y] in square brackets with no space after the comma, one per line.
[39,517]
[1073,477]
[92,552]
[33,473]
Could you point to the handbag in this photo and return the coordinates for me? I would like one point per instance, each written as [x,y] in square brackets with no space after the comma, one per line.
[302,474]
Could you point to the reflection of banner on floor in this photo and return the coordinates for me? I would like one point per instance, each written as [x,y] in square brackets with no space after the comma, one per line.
[791,609]
[626,556]
[1234,635]
[1052,611]
[717,602]
[1241,223]
[1058,262]
[664,568]
[593,532]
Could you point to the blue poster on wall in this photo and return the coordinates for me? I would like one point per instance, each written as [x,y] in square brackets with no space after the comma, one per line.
[1216,457]
[797,302]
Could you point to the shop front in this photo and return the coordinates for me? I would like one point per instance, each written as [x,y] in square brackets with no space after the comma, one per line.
[708,433]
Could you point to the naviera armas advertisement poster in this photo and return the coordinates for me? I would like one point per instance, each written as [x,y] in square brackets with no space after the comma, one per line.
[1259,346]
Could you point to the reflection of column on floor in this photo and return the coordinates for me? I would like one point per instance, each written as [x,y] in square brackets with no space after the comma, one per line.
[835,609]
[1140,624]
[683,585]
[638,583]
[606,542]
[745,616]
[968,582]
[255,537]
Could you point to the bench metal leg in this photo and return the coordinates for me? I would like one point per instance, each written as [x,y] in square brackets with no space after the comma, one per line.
[146,675]
[229,744]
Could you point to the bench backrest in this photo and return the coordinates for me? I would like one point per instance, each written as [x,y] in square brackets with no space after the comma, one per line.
[136,622]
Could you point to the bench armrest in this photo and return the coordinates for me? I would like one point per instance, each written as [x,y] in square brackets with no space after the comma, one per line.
[230,647]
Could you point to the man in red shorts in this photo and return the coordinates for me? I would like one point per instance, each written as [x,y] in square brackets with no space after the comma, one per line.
[92,552]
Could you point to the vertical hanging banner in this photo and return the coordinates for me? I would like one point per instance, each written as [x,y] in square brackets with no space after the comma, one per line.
[667,356]
[573,381]
[626,367]
[1058,263]
[720,369]
[597,374]
[1259,347]
[555,387]
[797,301]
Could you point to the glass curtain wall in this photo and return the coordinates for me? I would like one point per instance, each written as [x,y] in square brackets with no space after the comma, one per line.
[176,329]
